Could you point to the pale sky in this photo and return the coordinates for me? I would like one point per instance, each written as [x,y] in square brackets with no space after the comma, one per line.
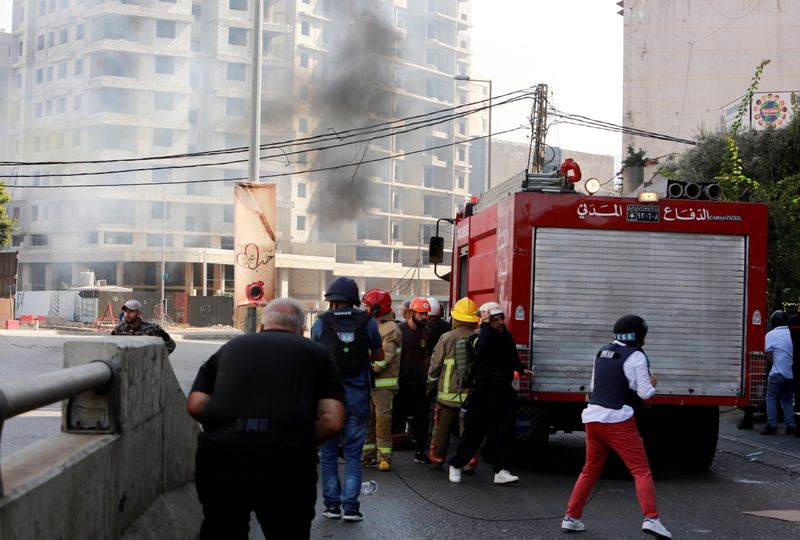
[574,46]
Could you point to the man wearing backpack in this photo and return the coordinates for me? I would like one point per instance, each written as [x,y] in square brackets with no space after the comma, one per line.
[491,409]
[351,337]
[446,379]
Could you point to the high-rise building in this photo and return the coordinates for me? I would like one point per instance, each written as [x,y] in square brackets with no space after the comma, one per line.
[125,79]
[5,74]
[685,61]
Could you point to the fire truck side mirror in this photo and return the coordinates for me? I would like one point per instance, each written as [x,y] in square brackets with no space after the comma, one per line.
[436,250]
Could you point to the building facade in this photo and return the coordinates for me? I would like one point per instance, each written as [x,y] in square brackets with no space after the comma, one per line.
[5,74]
[684,61]
[95,80]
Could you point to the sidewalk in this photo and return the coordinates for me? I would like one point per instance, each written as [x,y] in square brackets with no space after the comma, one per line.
[210,333]
[779,450]
[214,333]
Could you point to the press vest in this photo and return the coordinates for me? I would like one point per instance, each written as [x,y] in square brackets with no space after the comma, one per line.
[611,386]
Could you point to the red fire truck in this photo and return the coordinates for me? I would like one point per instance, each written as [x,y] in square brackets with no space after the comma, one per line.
[565,266]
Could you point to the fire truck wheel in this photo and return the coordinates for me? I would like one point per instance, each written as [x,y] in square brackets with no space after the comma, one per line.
[703,431]
[680,437]
[533,432]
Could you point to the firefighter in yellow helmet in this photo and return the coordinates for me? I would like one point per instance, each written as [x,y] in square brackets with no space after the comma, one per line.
[448,363]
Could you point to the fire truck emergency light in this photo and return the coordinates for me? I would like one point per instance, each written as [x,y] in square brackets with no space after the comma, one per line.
[648,196]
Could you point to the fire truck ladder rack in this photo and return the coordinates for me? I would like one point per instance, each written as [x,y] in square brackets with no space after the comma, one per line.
[525,181]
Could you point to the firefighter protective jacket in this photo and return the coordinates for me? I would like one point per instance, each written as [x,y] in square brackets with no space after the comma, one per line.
[387,370]
[444,359]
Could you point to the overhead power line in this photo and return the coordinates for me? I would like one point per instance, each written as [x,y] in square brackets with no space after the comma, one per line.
[336,135]
[585,121]
[413,126]
[271,175]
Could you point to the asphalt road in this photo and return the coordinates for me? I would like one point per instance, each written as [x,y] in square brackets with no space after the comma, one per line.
[750,473]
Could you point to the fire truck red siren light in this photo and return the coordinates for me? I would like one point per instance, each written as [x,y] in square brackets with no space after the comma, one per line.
[570,166]
[255,292]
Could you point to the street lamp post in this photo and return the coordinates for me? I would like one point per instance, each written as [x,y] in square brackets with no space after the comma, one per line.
[489,136]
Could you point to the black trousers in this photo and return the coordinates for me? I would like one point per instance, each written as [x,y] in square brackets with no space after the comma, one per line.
[412,401]
[491,415]
[234,478]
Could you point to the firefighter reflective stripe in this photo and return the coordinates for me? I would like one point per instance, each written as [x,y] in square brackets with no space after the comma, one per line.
[432,379]
[385,383]
[451,397]
[381,364]
[384,453]
[367,447]
[448,370]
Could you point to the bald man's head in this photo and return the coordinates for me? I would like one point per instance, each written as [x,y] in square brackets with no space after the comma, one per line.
[284,314]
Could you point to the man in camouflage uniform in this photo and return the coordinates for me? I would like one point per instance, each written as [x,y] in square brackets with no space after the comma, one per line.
[133,325]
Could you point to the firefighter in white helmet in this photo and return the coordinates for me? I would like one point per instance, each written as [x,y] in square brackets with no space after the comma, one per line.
[492,405]
[449,363]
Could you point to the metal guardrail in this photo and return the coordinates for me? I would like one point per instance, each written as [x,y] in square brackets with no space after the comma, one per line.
[29,394]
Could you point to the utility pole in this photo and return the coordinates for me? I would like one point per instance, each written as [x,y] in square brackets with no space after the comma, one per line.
[539,121]
[255,125]
[164,254]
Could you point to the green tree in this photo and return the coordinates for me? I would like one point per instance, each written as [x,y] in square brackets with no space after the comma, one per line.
[6,223]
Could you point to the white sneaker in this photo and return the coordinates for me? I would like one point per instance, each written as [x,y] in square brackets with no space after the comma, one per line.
[455,475]
[505,477]
[654,527]
[572,525]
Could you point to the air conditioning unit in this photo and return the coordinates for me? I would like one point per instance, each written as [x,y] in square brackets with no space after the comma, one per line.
[101,283]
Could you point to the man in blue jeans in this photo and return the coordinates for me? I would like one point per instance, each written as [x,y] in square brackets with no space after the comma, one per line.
[779,351]
[352,338]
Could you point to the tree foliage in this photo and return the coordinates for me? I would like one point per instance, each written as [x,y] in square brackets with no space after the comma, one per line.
[764,166]
[6,223]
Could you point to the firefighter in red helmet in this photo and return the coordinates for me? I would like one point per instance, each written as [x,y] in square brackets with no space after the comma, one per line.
[378,446]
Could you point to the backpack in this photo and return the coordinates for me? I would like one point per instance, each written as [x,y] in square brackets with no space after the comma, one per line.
[465,361]
[346,339]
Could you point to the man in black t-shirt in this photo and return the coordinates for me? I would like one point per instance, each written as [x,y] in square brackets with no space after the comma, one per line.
[265,400]
[415,359]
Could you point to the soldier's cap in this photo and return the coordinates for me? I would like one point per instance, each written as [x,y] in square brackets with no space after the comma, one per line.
[132,305]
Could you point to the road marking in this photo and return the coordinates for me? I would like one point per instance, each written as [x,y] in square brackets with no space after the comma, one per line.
[41,413]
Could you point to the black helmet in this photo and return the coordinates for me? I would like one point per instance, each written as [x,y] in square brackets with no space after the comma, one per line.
[630,329]
[343,290]
[778,318]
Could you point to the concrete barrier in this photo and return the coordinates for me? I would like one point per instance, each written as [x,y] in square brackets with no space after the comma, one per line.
[84,485]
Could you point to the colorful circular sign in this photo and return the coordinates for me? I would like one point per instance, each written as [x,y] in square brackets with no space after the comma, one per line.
[769,110]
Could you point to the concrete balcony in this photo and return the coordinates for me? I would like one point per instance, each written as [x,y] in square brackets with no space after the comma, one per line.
[433,160]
